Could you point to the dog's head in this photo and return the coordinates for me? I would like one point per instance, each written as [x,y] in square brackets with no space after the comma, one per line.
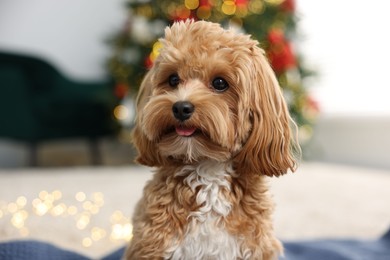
[211,94]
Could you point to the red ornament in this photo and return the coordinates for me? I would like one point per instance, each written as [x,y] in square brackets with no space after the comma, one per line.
[241,2]
[121,90]
[185,16]
[280,53]
[288,6]
[148,62]
[313,105]
[204,3]
[275,36]
[182,14]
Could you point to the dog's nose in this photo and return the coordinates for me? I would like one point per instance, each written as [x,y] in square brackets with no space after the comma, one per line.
[183,110]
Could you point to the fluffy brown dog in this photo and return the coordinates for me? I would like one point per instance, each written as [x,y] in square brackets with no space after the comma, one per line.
[213,121]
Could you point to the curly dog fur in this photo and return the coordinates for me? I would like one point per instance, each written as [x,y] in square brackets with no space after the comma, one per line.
[213,122]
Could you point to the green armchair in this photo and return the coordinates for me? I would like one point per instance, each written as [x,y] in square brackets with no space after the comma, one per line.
[38,103]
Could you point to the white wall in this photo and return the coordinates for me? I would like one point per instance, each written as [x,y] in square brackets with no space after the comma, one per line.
[70,33]
[348,43]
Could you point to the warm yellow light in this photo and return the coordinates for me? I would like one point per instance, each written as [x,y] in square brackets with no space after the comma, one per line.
[153,55]
[119,232]
[94,209]
[274,2]
[57,195]
[98,197]
[72,210]
[18,219]
[21,201]
[80,196]
[97,233]
[41,209]
[36,202]
[83,222]
[256,6]
[157,47]
[127,232]
[87,205]
[116,216]
[121,112]
[191,4]
[229,7]
[87,242]
[43,195]
[58,210]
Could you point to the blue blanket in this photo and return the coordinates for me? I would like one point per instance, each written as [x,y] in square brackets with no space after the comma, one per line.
[378,249]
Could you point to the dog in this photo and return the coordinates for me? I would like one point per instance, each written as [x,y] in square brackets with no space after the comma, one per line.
[212,120]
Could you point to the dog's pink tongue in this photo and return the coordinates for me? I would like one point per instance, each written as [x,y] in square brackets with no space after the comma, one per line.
[185,131]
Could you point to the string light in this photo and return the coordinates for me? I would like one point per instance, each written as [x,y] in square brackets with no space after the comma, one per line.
[58,210]
[21,201]
[191,4]
[228,7]
[182,12]
[274,2]
[98,233]
[121,232]
[19,213]
[256,6]
[155,50]
[121,112]
[72,210]
[83,221]
[80,196]
[87,242]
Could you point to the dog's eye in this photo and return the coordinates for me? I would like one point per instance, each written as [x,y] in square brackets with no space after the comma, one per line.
[173,80]
[219,84]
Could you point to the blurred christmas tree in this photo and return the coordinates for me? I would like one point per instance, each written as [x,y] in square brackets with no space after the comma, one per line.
[271,22]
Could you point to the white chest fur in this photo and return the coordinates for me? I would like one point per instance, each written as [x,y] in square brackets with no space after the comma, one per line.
[206,236]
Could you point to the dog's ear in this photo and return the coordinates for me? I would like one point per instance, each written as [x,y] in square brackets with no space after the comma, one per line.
[271,147]
[147,151]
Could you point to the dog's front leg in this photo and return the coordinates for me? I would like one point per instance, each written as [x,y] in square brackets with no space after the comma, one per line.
[159,219]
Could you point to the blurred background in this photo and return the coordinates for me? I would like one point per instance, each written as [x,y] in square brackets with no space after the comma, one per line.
[69,72]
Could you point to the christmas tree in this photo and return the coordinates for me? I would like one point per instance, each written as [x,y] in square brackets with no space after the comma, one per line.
[271,22]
